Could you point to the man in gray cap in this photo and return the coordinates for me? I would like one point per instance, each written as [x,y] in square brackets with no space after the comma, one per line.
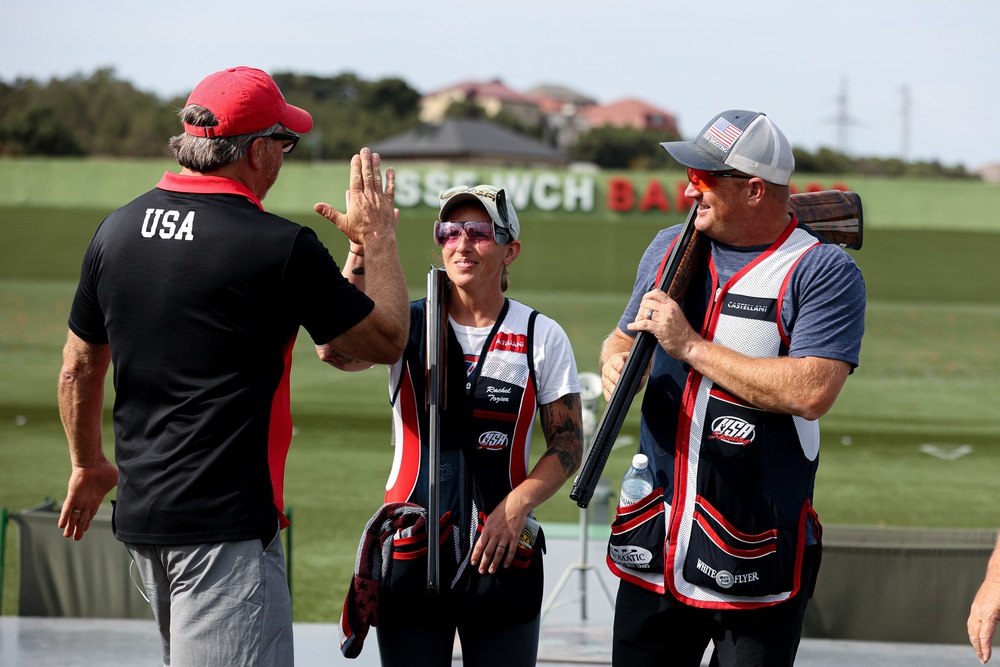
[727,548]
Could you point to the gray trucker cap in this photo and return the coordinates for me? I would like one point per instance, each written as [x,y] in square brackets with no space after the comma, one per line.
[746,141]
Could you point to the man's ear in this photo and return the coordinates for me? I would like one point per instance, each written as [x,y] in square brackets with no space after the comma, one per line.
[255,153]
[756,192]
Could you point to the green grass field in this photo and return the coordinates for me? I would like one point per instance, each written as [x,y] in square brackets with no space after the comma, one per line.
[929,375]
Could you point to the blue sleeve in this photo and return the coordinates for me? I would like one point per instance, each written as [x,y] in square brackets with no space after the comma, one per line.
[645,278]
[824,307]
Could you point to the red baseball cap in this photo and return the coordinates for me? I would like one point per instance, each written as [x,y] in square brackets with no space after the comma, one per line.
[244,100]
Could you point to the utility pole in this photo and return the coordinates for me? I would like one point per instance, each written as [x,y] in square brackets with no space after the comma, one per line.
[843,119]
[905,125]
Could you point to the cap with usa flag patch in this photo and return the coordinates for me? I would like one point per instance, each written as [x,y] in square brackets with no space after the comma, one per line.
[747,141]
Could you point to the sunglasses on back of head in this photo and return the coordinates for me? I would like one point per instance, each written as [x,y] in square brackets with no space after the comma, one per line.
[287,139]
[477,231]
[703,181]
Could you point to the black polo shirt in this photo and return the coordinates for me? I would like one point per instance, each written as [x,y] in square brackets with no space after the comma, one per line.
[201,293]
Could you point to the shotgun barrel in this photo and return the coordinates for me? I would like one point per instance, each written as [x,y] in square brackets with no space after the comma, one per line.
[437,340]
[635,366]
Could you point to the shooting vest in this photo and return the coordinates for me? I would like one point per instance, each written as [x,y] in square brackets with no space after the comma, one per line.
[485,441]
[727,529]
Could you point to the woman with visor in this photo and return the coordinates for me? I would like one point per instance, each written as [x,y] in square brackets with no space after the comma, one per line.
[505,363]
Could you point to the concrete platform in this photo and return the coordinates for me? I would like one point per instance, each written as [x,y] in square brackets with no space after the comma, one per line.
[575,632]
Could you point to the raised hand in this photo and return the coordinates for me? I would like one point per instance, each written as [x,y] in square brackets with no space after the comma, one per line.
[370,211]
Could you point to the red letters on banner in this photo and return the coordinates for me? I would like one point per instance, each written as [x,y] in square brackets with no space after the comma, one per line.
[683,203]
[622,196]
[654,196]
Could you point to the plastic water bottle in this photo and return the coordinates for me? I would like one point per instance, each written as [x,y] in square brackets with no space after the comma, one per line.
[637,482]
[529,533]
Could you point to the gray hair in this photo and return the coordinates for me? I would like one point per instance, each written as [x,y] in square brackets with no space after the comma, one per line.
[203,154]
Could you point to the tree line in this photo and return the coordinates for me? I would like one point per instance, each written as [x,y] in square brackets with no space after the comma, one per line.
[101,115]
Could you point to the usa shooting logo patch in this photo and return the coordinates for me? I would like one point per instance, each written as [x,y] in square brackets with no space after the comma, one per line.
[492,441]
[733,430]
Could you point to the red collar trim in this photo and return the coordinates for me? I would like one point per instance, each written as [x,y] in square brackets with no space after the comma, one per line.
[206,185]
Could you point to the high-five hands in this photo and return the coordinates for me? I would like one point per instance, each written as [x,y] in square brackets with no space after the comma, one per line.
[370,211]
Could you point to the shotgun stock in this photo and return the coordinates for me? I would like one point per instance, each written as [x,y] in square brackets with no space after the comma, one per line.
[832,214]
[437,359]
[836,215]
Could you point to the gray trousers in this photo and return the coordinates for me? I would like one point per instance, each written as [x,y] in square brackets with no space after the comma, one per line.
[225,603]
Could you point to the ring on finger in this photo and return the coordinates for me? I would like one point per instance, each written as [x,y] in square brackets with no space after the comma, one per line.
[649,315]
[502,546]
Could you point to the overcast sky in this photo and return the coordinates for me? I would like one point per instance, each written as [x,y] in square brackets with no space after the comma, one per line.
[891,78]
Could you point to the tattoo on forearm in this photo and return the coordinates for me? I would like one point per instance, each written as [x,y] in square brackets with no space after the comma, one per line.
[358,271]
[563,433]
[341,359]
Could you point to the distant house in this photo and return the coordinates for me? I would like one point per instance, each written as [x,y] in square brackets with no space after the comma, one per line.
[990,173]
[492,96]
[562,113]
[553,99]
[561,107]
[470,142]
[631,113]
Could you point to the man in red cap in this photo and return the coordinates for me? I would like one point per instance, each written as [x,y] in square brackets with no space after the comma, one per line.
[196,294]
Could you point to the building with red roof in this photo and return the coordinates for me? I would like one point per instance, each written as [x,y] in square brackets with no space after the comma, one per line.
[492,96]
[630,113]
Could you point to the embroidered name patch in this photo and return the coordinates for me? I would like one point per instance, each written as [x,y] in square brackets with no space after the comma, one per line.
[749,307]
